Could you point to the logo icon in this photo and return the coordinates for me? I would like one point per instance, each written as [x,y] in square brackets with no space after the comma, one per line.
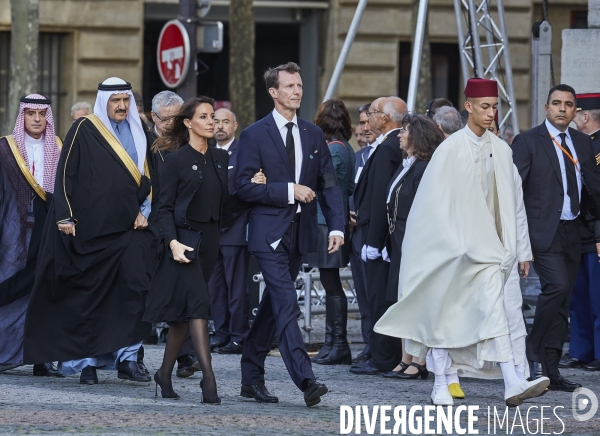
[584,404]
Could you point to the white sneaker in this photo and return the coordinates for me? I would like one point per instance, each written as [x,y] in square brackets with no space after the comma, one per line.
[515,395]
[441,397]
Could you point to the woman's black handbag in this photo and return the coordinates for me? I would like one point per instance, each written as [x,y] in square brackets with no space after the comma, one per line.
[191,238]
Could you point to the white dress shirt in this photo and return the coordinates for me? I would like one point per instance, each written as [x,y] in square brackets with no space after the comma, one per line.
[35,157]
[566,213]
[281,122]
[371,148]
[226,146]
[407,163]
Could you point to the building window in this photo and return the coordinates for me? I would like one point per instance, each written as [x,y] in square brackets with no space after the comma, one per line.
[579,19]
[49,55]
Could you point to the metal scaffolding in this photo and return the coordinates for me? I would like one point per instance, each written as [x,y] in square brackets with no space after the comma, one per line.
[480,34]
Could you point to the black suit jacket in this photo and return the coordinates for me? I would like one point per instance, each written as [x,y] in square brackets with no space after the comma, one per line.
[410,183]
[370,193]
[535,156]
[178,184]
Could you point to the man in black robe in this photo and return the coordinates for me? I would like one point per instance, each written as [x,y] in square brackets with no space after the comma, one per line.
[98,249]
[28,160]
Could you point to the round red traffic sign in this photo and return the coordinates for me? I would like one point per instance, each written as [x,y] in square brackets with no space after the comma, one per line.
[173,53]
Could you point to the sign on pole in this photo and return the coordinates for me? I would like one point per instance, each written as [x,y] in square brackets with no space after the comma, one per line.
[173,53]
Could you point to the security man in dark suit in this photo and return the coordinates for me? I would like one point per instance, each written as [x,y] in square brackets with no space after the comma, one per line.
[560,183]
[584,344]
[370,201]
[296,161]
[227,286]
[356,264]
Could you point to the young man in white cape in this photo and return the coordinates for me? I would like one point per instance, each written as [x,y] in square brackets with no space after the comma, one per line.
[451,290]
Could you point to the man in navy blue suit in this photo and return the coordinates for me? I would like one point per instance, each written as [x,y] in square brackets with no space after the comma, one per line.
[294,157]
[229,301]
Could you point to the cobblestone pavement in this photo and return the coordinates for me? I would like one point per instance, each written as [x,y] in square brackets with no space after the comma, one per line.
[40,405]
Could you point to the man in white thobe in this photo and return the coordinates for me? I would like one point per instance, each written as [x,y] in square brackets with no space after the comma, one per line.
[451,288]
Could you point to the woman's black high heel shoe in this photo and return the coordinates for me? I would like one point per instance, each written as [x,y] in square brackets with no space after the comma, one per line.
[172,395]
[206,400]
[393,374]
[422,372]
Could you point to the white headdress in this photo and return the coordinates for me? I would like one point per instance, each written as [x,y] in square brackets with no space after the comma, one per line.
[114,85]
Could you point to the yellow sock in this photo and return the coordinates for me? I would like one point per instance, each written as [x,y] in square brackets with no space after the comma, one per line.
[456,391]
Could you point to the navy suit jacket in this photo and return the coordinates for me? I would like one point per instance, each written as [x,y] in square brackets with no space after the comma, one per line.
[236,233]
[261,146]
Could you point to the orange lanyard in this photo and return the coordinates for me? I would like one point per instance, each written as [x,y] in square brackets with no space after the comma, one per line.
[575,162]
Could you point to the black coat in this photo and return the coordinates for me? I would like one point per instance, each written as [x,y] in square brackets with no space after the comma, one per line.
[370,193]
[409,184]
[535,157]
[179,182]
[89,291]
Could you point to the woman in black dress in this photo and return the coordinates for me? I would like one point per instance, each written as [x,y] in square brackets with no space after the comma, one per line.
[193,192]
[419,137]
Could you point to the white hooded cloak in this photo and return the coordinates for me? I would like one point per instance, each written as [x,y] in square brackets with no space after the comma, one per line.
[458,252]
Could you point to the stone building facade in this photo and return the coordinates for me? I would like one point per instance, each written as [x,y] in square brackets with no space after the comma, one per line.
[84,41]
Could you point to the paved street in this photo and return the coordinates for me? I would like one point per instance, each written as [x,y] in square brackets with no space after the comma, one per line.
[36,405]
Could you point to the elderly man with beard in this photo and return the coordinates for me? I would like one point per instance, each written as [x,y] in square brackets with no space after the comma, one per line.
[28,160]
[97,251]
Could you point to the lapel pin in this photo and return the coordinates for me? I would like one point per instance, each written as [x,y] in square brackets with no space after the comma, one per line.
[230,152]
[194,167]
[311,156]
[316,151]
[219,166]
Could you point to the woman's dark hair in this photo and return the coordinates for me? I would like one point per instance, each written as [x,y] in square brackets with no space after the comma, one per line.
[178,134]
[423,135]
[334,119]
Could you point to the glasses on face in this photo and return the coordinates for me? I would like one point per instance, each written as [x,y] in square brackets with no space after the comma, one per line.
[374,112]
[163,119]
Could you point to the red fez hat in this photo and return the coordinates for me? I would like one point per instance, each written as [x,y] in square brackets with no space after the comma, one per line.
[588,102]
[477,87]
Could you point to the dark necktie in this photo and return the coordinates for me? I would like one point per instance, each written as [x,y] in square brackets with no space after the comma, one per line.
[290,148]
[572,188]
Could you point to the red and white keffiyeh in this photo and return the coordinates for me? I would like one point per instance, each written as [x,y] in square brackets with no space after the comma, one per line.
[51,150]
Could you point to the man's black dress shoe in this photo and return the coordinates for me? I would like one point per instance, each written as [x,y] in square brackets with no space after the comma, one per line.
[214,343]
[187,365]
[593,365]
[571,362]
[313,392]
[366,370]
[259,392]
[361,358]
[129,370]
[46,370]
[230,348]
[88,376]
[559,383]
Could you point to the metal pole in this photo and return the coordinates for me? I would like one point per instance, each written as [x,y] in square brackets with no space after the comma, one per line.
[541,81]
[341,62]
[416,55]
[508,68]
[461,42]
[307,305]
[477,62]
[187,16]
